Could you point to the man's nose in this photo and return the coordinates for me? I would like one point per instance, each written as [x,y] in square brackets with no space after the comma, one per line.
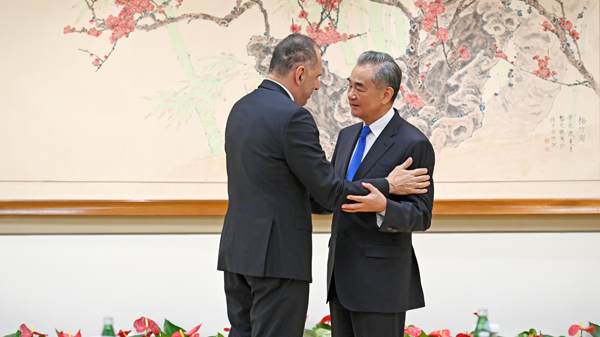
[351,94]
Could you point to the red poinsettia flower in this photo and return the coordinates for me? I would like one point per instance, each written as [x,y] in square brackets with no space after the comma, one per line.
[413,331]
[123,333]
[574,329]
[325,320]
[25,332]
[144,324]
[62,334]
[441,333]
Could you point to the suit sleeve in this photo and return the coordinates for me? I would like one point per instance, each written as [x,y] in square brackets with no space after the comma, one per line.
[317,208]
[409,213]
[306,159]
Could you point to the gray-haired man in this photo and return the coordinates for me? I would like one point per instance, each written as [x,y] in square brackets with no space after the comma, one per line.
[373,276]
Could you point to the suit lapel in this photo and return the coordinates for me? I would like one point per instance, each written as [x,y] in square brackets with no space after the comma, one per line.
[345,148]
[382,144]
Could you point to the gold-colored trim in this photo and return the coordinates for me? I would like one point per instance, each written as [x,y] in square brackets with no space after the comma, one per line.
[219,207]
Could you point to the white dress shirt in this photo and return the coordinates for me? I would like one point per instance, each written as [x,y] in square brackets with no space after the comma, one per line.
[376,129]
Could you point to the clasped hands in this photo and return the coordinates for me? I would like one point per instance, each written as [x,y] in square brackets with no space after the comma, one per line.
[402,182]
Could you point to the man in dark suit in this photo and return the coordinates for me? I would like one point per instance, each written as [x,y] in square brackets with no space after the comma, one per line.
[372,272]
[274,160]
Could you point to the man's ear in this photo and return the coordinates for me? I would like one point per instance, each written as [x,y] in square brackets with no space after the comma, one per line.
[299,74]
[388,92]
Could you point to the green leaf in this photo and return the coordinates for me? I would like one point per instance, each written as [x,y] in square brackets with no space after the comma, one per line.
[57,332]
[171,328]
[82,13]
[102,4]
[322,332]
[595,333]
[527,333]
[308,333]
[322,326]
[218,335]
[79,3]
[16,334]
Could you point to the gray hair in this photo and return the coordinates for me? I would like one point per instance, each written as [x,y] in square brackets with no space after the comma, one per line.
[387,74]
[295,49]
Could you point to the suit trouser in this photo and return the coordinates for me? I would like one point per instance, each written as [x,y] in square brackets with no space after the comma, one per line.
[264,306]
[346,323]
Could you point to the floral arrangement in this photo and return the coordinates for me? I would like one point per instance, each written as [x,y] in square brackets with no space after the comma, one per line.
[143,325]
[148,327]
[323,329]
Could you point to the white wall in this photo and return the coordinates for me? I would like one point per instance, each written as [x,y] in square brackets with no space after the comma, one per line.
[546,281]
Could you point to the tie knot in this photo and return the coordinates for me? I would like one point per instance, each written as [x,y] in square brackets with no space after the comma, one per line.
[365,131]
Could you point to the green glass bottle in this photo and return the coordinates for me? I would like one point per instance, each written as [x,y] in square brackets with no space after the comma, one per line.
[108,327]
[482,326]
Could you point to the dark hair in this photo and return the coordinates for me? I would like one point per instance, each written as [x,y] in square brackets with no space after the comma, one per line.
[291,51]
[387,74]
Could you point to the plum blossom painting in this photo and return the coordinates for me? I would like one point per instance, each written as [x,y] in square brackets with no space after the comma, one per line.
[138,91]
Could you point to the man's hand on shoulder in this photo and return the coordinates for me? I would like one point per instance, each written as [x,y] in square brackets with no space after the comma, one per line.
[403,181]
[372,202]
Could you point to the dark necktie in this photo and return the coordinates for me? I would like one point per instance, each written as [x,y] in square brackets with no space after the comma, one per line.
[358,154]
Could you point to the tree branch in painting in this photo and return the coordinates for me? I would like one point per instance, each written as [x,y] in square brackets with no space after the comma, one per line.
[324,29]
[204,92]
[453,47]
[444,99]
[564,31]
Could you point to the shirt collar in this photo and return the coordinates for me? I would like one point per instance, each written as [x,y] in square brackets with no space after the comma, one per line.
[380,124]
[284,88]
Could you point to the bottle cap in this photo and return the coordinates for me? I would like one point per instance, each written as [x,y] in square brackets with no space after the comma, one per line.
[482,312]
[108,321]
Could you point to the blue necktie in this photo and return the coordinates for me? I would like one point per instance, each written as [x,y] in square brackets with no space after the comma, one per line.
[358,154]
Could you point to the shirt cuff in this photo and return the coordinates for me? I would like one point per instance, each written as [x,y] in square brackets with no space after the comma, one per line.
[380,218]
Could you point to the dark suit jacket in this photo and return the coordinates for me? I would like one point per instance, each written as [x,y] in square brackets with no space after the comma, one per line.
[375,268]
[274,160]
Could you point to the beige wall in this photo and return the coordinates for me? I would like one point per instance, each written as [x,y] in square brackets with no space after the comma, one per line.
[546,281]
